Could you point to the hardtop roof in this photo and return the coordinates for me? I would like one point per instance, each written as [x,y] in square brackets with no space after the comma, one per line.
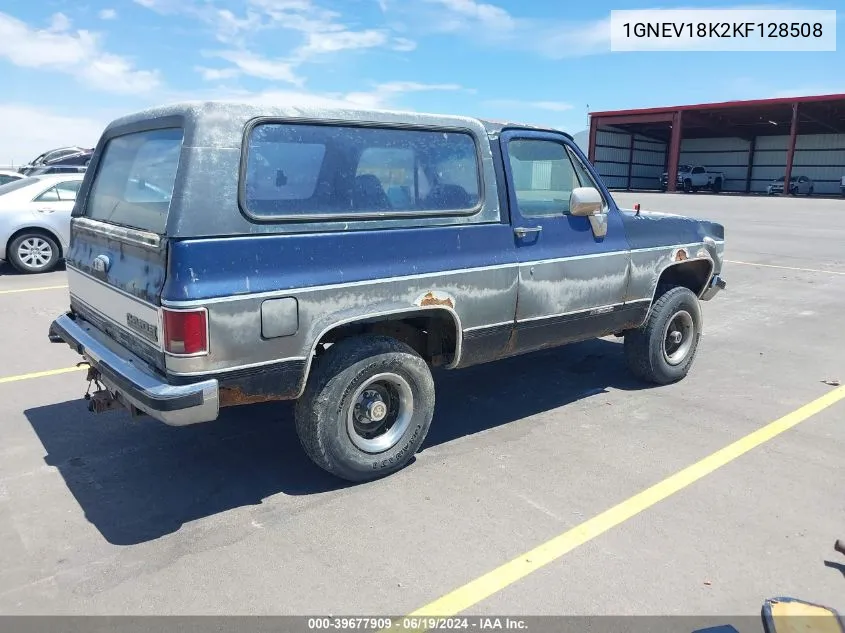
[240,112]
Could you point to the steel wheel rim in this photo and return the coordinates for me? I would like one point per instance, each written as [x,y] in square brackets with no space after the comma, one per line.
[677,337]
[35,252]
[380,412]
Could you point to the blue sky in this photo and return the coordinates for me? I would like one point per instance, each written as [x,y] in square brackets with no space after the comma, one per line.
[67,67]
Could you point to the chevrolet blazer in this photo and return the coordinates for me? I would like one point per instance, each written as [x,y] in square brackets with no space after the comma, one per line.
[226,254]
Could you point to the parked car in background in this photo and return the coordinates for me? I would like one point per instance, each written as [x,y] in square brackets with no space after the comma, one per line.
[695,177]
[35,220]
[797,185]
[7,176]
[59,161]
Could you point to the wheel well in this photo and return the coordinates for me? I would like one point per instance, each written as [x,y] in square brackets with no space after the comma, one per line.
[39,231]
[433,334]
[691,274]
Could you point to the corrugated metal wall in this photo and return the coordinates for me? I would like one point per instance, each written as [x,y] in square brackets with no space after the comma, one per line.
[727,155]
[820,157]
[614,153]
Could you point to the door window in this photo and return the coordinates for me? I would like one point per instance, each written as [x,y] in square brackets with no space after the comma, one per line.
[67,190]
[543,177]
[51,195]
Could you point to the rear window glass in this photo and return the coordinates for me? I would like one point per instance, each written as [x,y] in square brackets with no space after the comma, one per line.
[298,170]
[135,178]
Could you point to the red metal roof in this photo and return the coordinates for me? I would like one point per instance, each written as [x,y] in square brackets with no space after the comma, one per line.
[753,103]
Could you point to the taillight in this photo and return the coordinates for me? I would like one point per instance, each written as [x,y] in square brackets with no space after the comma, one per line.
[185,331]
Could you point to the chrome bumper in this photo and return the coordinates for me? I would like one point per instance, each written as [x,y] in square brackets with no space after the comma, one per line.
[716,284]
[134,382]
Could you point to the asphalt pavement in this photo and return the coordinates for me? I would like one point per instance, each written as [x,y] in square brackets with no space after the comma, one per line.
[108,515]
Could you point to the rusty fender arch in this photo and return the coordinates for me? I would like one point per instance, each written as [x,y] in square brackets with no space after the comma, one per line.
[681,257]
[411,309]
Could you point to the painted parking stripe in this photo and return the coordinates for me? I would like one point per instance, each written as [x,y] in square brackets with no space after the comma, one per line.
[498,579]
[42,374]
[805,270]
[16,290]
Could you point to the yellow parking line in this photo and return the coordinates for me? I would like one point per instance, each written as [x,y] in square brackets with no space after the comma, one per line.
[42,374]
[806,270]
[16,290]
[494,581]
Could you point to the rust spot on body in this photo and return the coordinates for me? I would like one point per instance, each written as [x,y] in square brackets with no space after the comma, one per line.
[234,396]
[431,299]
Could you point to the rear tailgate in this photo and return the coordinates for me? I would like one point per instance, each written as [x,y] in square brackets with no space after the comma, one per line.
[117,259]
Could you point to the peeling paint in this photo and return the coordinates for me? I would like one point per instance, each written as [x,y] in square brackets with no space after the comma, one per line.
[435,298]
[234,396]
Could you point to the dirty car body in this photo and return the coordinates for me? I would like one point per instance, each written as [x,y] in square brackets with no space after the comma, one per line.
[226,254]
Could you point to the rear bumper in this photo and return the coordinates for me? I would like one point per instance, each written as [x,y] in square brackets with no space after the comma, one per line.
[713,288]
[133,382]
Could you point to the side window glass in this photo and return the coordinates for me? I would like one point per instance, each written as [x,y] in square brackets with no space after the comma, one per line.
[67,190]
[51,195]
[698,170]
[543,177]
[584,177]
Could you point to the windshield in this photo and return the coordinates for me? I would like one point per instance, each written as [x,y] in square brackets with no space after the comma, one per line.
[682,168]
[135,179]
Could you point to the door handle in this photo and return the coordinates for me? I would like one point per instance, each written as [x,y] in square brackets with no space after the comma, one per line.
[45,209]
[522,231]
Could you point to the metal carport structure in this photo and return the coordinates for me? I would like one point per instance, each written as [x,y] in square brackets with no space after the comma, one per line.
[754,126]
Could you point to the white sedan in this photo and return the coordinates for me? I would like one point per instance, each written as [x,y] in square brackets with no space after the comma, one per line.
[35,220]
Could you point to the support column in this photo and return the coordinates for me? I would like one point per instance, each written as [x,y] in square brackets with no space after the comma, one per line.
[630,160]
[591,149]
[674,151]
[790,152]
[751,149]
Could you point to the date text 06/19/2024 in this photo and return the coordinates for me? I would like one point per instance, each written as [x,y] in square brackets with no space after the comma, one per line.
[417,623]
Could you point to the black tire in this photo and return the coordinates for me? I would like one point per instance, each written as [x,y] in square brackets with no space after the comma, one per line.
[323,411]
[688,185]
[647,353]
[809,192]
[717,185]
[41,243]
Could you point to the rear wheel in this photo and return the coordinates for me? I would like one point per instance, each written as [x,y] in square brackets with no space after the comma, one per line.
[366,409]
[662,350]
[717,185]
[688,185]
[33,252]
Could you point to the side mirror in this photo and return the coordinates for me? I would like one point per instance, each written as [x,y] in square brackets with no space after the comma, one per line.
[585,201]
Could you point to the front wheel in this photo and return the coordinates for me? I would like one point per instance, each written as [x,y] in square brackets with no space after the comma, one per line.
[662,350]
[366,409]
[688,185]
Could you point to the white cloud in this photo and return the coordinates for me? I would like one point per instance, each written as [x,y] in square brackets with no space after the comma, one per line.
[382,95]
[77,53]
[403,44]
[26,131]
[488,14]
[107,14]
[333,41]
[255,66]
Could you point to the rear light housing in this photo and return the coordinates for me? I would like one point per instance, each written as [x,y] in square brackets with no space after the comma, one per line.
[185,332]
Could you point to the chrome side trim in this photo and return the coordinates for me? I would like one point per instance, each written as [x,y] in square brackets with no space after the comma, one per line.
[224,370]
[596,310]
[488,326]
[120,233]
[439,273]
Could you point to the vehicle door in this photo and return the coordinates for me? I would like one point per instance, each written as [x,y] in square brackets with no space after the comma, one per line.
[699,176]
[55,204]
[573,270]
